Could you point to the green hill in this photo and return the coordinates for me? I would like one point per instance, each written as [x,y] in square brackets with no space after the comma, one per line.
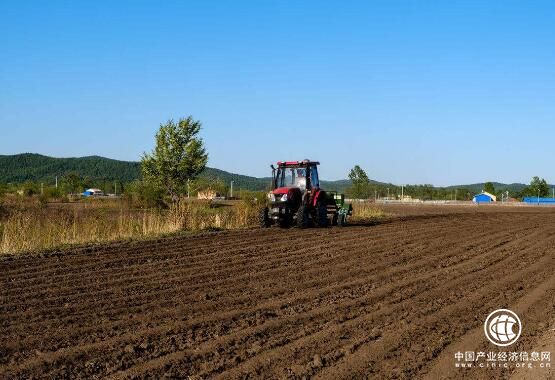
[478,187]
[35,167]
[38,168]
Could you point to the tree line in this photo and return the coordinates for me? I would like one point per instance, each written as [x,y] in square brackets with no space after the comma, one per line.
[362,188]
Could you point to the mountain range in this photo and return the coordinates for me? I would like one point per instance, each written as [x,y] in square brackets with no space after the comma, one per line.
[35,167]
[23,167]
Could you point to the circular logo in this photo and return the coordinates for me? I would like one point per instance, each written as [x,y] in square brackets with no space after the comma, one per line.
[502,327]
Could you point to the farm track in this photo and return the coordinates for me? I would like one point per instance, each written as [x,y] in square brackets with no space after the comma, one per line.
[380,301]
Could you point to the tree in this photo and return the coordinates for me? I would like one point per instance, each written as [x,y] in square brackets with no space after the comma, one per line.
[179,156]
[538,187]
[489,188]
[73,182]
[360,182]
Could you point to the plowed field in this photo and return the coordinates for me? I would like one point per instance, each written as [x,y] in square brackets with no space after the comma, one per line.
[390,300]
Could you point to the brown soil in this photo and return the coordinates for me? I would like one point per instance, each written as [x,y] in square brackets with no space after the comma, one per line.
[390,300]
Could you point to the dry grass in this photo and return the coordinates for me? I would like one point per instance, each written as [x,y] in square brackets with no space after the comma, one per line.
[30,226]
[34,227]
[367,210]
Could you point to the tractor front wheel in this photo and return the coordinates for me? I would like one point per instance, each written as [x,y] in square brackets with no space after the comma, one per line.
[264,218]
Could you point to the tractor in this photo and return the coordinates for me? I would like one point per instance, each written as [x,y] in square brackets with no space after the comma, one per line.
[296,198]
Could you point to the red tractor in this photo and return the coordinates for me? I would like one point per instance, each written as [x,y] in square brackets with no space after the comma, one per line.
[296,198]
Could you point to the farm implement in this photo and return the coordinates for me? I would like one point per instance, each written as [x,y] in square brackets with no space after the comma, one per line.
[297,199]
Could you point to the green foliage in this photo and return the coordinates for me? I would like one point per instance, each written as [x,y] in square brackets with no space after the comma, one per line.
[258,197]
[53,193]
[360,183]
[489,188]
[178,156]
[37,168]
[30,188]
[145,195]
[72,183]
[537,187]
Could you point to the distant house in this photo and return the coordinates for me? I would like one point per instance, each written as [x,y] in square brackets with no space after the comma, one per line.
[484,197]
[208,194]
[93,192]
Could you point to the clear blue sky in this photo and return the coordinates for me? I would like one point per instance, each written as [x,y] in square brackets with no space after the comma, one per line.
[441,92]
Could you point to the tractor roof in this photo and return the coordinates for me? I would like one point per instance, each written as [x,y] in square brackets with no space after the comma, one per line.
[297,163]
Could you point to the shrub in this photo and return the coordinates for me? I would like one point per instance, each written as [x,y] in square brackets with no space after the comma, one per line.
[145,195]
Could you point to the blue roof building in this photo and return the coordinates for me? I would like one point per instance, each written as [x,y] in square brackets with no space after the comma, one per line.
[484,197]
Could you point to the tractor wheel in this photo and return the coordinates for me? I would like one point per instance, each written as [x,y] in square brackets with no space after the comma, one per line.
[302,217]
[322,214]
[264,218]
[341,220]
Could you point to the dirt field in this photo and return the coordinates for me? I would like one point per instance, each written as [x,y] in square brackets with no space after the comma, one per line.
[391,300]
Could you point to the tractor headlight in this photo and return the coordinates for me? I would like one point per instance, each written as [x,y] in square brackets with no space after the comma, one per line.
[271,197]
[284,198]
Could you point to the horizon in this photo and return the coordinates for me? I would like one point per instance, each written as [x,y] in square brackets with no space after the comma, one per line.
[430,93]
[459,185]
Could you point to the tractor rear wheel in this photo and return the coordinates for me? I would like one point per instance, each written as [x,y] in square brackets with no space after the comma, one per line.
[264,218]
[302,217]
[322,214]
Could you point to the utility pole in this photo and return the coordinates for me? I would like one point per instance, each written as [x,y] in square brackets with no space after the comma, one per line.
[375,195]
[456,195]
[231,189]
[402,193]
[56,182]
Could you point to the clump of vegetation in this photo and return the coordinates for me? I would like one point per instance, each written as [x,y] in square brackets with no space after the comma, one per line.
[143,195]
[538,187]
[178,157]
[33,227]
[360,188]
[367,210]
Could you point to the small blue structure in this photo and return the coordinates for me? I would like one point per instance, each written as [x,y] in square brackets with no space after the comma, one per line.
[92,192]
[484,197]
[536,200]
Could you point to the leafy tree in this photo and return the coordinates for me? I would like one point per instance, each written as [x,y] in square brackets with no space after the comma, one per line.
[360,182]
[72,182]
[489,188]
[538,187]
[178,156]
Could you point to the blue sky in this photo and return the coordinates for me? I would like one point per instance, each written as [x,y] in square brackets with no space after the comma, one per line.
[441,92]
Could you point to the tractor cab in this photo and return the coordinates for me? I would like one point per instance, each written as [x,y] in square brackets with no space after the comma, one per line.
[302,175]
